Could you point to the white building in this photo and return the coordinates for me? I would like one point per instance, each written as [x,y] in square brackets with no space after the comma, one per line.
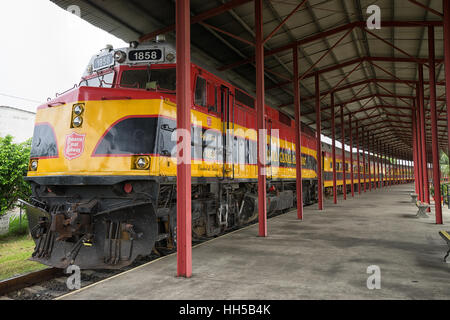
[16,122]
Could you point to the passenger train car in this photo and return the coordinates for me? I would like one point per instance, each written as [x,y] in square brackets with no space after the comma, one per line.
[103,165]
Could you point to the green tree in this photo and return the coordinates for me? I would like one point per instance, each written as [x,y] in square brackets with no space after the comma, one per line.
[445,164]
[14,159]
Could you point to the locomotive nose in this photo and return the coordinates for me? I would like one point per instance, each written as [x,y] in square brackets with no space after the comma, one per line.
[66,237]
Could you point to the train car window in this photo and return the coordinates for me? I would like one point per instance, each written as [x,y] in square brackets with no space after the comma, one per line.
[134,79]
[200,92]
[164,79]
[284,118]
[102,81]
[245,99]
[212,97]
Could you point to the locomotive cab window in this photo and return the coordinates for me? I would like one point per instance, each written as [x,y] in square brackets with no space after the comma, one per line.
[102,81]
[149,79]
[200,92]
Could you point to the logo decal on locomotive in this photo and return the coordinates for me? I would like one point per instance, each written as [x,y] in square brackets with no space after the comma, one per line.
[74,145]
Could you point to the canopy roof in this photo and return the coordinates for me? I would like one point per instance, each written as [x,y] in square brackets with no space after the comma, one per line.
[373,73]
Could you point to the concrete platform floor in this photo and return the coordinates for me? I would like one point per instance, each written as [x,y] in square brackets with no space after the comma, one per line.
[323,257]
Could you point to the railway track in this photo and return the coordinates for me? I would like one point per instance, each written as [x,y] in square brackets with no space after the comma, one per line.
[50,283]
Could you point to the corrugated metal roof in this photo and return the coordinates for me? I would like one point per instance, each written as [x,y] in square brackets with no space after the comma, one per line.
[132,19]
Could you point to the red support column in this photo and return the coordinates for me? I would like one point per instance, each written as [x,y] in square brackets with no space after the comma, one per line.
[426,190]
[405,170]
[368,160]
[364,164]
[333,146]
[261,127]
[318,143]
[380,166]
[184,230]
[352,179]
[392,167]
[416,181]
[434,129]
[374,158]
[298,135]
[394,179]
[418,147]
[396,167]
[386,164]
[386,176]
[446,9]
[344,172]
[357,157]
[376,163]
[387,160]
[402,168]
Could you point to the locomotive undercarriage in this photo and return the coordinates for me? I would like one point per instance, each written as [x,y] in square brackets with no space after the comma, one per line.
[109,226]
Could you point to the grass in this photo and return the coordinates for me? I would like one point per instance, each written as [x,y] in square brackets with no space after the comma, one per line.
[15,249]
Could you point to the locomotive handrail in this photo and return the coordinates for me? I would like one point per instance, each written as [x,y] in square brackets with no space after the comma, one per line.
[74,86]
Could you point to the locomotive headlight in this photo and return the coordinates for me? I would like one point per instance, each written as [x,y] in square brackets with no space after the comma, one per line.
[78,109]
[120,56]
[77,122]
[142,163]
[33,165]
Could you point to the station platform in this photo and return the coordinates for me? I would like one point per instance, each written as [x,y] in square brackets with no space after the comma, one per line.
[325,256]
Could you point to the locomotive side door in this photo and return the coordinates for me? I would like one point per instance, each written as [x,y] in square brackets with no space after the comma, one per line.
[227,102]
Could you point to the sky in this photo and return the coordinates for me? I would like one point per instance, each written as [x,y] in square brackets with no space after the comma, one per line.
[45,50]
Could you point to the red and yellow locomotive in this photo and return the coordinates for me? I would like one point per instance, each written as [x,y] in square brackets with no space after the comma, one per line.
[103,165]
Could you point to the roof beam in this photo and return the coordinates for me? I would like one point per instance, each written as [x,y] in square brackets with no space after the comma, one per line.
[324,34]
[197,18]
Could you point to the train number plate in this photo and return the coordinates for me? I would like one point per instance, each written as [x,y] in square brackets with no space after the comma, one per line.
[152,55]
[103,61]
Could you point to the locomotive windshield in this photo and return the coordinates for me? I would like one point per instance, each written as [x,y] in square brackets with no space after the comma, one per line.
[149,79]
[103,81]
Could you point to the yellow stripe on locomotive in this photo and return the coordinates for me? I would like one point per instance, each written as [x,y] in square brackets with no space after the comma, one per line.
[100,116]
